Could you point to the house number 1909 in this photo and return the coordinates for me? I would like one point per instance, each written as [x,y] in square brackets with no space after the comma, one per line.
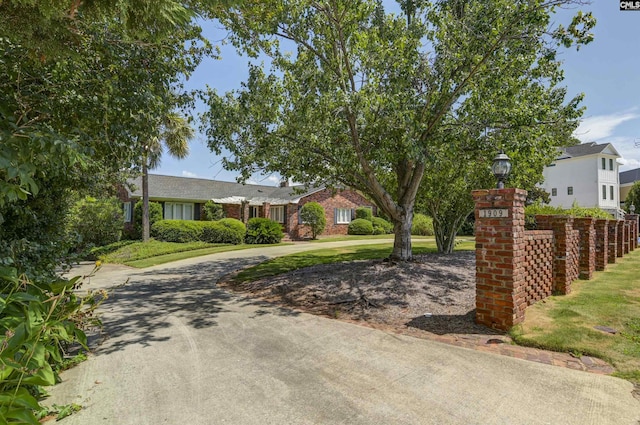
[494,213]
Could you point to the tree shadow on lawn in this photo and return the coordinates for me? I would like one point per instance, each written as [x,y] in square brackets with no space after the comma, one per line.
[137,312]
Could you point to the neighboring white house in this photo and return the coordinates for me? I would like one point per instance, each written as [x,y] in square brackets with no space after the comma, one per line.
[586,174]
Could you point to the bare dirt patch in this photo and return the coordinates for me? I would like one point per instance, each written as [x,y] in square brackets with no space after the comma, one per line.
[434,294]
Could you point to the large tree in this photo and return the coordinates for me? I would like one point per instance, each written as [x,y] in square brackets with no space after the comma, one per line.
[362,98]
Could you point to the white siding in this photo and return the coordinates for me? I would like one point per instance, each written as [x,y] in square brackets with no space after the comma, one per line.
[580,173]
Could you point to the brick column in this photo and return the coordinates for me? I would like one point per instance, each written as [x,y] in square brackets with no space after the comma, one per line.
[500,277]
[266,210]
[634,229]
[587,262]
[565,269]
[620,231]
[602,242]
[627,236]
[245,212]
[612,227]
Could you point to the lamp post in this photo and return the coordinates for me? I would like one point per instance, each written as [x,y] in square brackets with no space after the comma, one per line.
[501,168]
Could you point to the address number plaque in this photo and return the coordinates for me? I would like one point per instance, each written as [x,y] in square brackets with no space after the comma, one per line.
[494,213]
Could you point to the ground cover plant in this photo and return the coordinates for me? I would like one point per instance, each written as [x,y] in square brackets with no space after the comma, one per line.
[568,323]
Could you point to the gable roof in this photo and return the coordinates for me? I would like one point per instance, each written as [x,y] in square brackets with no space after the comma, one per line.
[202,190]
[585,149]
[630,176]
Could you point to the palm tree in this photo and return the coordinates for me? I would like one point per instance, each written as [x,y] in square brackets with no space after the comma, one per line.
[174,134]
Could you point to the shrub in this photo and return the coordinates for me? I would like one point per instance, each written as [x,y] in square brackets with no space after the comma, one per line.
[177,230]
[263,231]
[422,225]
[213,211]
[364,213]
[360,226]
[537,209]
[381,226]
[312,214]
[227,230]
[95,222]
[155,214]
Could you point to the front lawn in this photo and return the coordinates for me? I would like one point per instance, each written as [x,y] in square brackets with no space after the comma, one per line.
[567,323]
[333,255]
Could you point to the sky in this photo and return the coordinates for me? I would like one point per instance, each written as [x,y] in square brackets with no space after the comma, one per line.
[607,71]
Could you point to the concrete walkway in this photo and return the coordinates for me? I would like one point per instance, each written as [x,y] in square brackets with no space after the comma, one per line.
[181,351]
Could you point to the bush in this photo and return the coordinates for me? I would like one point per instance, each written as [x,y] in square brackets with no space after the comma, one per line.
[360,226]
[213,211]
[155,214]
[263,231]
[227,230]
[177,230]
[95,222]
[538,209]
[364,213]
[381,226]
[422,225]
[312,214]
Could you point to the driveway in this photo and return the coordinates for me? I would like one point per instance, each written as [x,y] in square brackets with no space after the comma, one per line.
[181,351]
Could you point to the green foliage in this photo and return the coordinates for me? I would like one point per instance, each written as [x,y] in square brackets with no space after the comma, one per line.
[381,226]
[263,231]
[426,93]
[226,230]
[633,197]
[177,230]
[37,324]
[213,211]
[95,222]
[531,211]
[360,226]
[155,214]
[364,212]
[313,215]
[422,225]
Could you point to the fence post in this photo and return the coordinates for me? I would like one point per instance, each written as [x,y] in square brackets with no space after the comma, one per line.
[602,242]
[587,263]
[500,252]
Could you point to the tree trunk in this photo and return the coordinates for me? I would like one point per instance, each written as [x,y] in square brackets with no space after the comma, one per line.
[445,231]
[145,202]
[402,241]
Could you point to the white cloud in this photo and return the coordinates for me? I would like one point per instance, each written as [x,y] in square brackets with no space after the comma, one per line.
[252,181]
[273,179]
[189,174]
[598,127]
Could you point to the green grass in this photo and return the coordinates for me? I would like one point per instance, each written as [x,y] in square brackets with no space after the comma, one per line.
[340,238]
[566,323]
[141,255]
[332,255]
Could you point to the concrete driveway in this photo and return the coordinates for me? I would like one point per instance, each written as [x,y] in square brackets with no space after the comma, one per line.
[181,351]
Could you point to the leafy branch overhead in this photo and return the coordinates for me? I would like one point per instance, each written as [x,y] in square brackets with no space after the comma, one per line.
[360,97]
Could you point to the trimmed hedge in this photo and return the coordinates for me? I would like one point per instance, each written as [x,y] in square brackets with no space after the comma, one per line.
[381,226]
[531,211]
[227,230]
[360,226]
[263,231]
[364,212]
[422,225]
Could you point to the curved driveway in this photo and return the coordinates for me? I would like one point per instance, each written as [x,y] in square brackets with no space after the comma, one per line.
[181,351]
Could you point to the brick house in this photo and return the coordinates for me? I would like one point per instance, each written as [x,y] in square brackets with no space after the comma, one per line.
[184,198]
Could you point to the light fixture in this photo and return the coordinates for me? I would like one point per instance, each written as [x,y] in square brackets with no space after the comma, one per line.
[501,168]
[632,209]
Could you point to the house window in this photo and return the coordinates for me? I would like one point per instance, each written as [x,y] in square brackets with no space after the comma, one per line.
[254,212]
[604,163]
[604,191]
[343,215]
[277,213]
[127,212]
[611,164]
[178,211]
[554,192]
[611,193]
[570,190]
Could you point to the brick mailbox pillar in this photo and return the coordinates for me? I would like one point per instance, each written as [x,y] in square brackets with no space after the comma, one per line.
[612,226]
[565,269]
[587,262]
[602,243]
[500,253]
[621,238]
